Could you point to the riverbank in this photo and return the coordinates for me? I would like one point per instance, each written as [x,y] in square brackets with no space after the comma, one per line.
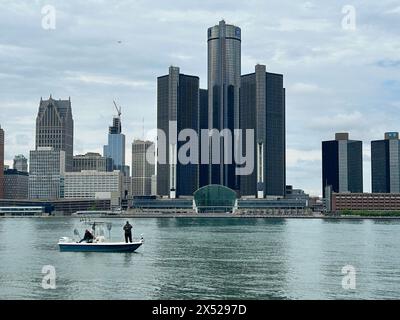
[211,215]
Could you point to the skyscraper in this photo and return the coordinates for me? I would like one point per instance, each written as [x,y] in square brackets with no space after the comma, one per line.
[46,173]
[20,163]
[385,164]
[55,128]
[142,169]
[177,109]
[203,125]
[115,149]
[1,163]
[224,68]
[262,108]
[342,164]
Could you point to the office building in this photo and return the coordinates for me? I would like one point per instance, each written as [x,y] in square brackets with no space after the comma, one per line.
[15,184]
[92,161]
[55,128]
[153,185]
[342,164]
[115,149]
[142,169]
[365,202]
[93,184]
[385,164]
[262,106]
[224,71]
[1,163]
[46,173]
[20,163]
[203,125]
[178,108]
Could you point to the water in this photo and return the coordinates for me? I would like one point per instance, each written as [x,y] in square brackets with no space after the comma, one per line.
[186,258]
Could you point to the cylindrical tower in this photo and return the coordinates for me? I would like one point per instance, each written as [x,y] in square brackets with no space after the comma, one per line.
[224,60]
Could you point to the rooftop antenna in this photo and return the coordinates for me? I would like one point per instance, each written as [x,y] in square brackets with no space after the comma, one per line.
[118,109]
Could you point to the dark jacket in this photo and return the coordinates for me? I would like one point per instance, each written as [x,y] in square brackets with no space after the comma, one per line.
[128,228]
[88,236]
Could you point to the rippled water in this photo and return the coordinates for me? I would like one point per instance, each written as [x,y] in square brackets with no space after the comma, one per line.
[186,258]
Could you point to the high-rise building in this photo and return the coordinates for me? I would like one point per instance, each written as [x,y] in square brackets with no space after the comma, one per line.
[55,128]
[46,173]
[153,185]
[262,109]
[92,161]
[342,164]
[89,184]
[115,149]
[177,109]
[15,184]
[20,163]
[1,163]
[142,169]
[203,125]
[385,164]
[224,71]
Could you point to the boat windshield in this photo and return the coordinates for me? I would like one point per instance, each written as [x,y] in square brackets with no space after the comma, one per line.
[98,228]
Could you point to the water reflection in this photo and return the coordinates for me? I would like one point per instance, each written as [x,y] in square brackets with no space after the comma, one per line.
[223,256]
[206,258]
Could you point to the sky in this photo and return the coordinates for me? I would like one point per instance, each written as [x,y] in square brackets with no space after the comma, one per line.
[341,67]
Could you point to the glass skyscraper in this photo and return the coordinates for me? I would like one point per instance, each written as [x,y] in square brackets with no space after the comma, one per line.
[342,164]
[115,149]
[385,164]
[262,109]
[224,58]
[177,109]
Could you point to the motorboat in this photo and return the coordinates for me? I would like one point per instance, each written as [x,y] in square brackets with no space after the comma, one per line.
[99,243]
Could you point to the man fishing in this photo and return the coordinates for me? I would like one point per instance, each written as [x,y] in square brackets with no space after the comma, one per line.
[128,232]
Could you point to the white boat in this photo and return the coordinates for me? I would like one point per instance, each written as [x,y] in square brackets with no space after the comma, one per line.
[99,243]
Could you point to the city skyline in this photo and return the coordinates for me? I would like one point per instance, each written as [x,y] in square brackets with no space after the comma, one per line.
[365,105]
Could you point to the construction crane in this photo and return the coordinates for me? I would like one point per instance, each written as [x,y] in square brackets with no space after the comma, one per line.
[118,109]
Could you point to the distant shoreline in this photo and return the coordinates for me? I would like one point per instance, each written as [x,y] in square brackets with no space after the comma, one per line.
[210,215]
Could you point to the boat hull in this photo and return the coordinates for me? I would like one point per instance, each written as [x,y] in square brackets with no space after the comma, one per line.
[99,247]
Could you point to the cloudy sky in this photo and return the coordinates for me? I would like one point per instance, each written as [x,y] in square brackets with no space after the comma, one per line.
[337,78]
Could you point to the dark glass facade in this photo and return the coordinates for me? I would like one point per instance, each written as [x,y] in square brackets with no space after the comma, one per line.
[342,166]
[354,166]
[184,109]
[330,165]
[385,164]
[224,65]
[263,111]
[380,166]
[203,125]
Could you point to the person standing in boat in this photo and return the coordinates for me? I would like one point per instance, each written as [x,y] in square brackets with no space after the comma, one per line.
[128,232]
